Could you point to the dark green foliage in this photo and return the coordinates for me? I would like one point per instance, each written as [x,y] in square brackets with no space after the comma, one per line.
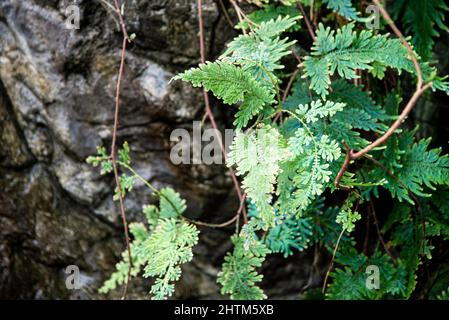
[422,18]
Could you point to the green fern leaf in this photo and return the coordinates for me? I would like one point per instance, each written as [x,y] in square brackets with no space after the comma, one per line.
[231,84]
[421,17]
[419,167]
[257,155]
[238,276]
[345,51]
[169,245]
[343,7]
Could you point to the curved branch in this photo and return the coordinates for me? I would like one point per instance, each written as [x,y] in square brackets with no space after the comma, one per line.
[114,140]
[420,89]
[210,114]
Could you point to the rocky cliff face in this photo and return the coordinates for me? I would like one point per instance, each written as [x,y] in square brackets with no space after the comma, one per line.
[56,105]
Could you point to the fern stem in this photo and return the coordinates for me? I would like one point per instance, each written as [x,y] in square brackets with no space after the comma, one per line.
[161,195]
[420,89]
[308,24]
[210,114]
[114,139]
[323,290]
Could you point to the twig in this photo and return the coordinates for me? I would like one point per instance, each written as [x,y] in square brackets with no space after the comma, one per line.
[420,89]
[289,84]
[379,233]
[224,224]
[161,195]
[323,290]
[211,116]
[332,261]
[309,26]
[114,139]
[226,14]
[110,7]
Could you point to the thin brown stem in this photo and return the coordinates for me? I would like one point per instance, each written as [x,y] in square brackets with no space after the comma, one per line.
[323,289]
[306,19]
[420,89]
[210,115]
[379,233]
[224,224]
[226,14]
[113,146]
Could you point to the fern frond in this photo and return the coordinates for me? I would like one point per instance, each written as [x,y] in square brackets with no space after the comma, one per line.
[159,250]
[238,276]
[304,176]
[421,17]
[419,167]
[317,110]
[232,84]
[274,27]
[261,50]
[171,203]
[169,245]
[343,7]
[349,281]
[292,234]
[347,217]
[345,51]
[120,276]
[257,155]
[271,12]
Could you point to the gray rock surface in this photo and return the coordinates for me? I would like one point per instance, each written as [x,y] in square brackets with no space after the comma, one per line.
[56,105]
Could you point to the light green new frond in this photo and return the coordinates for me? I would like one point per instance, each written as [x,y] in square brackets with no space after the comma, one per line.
[160,249]
[328,149]
[120,276]
[257,155]
[238,276]
[169,246]
[346,50]
[271,12]
[171,203]
[347,217]
[316,110]
[305,175]
[151,212]
[343,7]
[261,50]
